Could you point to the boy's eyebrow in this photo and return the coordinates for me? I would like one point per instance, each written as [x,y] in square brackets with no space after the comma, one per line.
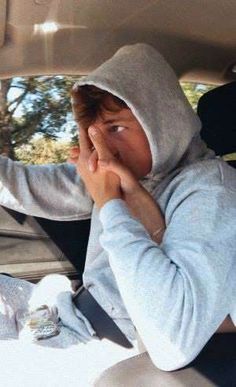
[110,121]
[119,118]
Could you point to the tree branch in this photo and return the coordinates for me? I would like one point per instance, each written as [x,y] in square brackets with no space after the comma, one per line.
[17,100]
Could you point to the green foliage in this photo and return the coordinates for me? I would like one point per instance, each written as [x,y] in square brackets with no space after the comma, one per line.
[43,150]
[45,108]
[34,105]
[194,91]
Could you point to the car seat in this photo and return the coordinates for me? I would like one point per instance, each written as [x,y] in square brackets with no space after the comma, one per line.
[217,111]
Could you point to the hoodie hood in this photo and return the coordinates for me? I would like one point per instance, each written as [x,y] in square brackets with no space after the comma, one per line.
[141,77]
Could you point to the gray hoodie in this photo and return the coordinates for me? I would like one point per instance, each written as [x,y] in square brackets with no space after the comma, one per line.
[177,293]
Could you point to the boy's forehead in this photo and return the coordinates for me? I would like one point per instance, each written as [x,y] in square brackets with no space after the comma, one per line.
[108,116]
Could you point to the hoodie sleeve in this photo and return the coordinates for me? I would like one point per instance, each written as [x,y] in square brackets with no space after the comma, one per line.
[177,293]
[49,191]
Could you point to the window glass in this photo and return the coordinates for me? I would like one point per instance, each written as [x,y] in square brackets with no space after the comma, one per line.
[194,91]
[36,120]
[37,125]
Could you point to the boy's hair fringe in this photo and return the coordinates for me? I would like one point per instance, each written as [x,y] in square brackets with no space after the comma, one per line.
[88,103]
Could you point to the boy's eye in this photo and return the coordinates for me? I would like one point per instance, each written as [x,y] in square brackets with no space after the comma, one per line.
[116,129]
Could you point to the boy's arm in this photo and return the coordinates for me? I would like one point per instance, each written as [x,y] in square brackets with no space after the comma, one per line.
[48,191]
[181,289]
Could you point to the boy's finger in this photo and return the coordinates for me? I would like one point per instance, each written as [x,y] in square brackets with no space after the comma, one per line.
[92,161]
[84,140]
[128,181]
[72,160]
[74,151]
[99,143]
[73,155]
[118,168]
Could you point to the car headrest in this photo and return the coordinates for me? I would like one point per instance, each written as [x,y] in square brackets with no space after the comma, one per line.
[217,111]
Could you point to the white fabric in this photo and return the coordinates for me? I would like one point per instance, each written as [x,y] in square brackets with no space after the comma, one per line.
[17,297]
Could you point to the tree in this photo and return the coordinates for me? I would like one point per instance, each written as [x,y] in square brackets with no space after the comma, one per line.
[5,121]
[194,91]
[43,150]
[43,106]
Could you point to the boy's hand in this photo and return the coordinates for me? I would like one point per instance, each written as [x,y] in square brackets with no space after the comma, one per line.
[114,180]
[74,157]
[101,156]
[136,197]
[101,184]
[109,163]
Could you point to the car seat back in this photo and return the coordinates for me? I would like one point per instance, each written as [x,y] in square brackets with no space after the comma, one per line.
[217,111]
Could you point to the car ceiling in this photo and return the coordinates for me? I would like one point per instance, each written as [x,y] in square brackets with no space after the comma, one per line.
[197,37]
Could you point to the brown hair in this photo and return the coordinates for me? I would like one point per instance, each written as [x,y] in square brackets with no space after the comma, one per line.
[89,101]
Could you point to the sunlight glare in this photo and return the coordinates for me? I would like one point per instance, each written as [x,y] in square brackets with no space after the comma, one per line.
[47,27]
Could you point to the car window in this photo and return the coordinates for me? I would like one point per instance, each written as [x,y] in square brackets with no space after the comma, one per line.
[38,122]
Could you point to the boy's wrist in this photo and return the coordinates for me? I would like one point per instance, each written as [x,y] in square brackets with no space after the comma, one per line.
[136,197]
[105,199]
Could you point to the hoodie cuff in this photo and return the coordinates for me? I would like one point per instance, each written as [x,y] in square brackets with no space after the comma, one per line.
[111,210]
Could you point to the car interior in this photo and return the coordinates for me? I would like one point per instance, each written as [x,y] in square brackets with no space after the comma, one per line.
[51,37]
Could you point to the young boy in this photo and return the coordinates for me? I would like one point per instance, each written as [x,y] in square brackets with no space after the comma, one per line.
[141,156]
